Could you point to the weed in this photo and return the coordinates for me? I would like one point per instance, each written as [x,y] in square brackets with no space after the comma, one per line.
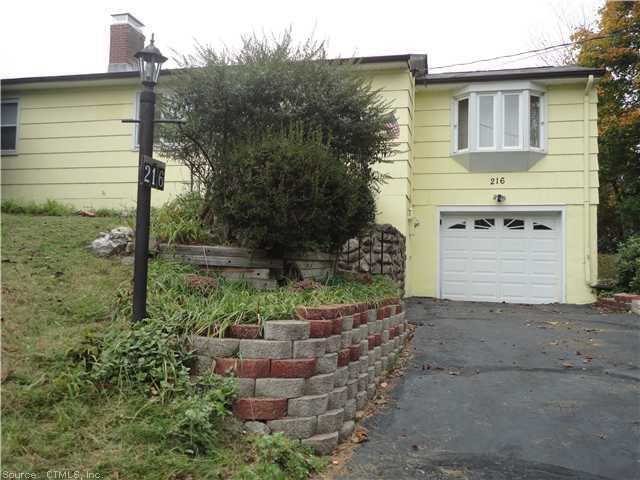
[178,221]
[278,458]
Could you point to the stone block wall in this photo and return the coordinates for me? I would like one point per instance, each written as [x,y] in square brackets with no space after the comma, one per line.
[380,251]
[308,377]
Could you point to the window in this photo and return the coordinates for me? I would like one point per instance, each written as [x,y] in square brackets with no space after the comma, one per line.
[496,120]
[535,121]
[513,224]
[136,126]
[511,120]
[541,226]
[485,121]
[9,121]
[484,224]
[463,124]
[461,225]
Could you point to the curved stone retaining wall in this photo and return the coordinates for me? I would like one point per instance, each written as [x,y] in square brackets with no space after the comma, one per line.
[308,377]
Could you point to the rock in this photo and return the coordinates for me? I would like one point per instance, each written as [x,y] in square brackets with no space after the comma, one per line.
[257,428]
[112,242]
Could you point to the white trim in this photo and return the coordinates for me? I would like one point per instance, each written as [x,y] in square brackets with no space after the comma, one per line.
[456,127]
[498,86]
[494,120]
[15,100]
[520,115]
[136,126]
[561,209]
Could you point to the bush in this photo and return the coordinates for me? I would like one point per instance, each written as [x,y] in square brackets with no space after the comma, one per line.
[292,194]
[279,458]
[283,133]
[628,265]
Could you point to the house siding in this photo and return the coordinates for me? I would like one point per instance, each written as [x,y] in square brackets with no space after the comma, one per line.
[73,147]
[557,179]
[394,199]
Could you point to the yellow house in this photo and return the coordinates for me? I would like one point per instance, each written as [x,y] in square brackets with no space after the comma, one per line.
[494,180]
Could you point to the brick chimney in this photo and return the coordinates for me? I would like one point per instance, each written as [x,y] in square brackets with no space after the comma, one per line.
[126,39]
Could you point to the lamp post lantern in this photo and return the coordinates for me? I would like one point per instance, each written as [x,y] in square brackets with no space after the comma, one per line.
[151,61]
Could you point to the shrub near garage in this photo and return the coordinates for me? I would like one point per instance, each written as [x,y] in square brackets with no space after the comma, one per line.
[628,265]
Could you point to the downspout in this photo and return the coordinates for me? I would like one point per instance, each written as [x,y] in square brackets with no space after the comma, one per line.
[587,183]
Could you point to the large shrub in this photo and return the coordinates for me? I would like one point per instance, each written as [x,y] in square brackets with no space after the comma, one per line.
[628,265]
[281,140]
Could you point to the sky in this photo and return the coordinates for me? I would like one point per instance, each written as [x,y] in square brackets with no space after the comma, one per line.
[66,37]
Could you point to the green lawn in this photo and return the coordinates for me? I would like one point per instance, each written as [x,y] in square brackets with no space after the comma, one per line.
[54,293]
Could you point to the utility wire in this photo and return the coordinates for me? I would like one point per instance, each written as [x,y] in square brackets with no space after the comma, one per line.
[537,50]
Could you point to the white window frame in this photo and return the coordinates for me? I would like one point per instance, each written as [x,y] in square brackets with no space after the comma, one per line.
[542,125]
[476,123]
[136,115]
[521,100]
[456,127]
[524,90]
[15,100]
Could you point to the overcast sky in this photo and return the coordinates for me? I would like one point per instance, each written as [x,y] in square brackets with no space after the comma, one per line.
[66,37]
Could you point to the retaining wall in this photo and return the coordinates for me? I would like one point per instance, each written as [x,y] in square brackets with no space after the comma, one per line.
[308,377]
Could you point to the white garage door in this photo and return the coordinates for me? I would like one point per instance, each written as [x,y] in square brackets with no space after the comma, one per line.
[514,257]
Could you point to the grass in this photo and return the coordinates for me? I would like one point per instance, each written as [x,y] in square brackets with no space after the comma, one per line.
[56,293]
[234,303]
[51,208]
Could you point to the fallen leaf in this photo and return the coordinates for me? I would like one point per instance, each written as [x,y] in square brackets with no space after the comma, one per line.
[567,365]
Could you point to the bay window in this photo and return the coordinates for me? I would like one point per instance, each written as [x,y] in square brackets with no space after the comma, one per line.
[494,120]
[462,124]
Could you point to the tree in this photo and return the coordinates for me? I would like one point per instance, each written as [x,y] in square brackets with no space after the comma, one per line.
[619,117]
[282,141]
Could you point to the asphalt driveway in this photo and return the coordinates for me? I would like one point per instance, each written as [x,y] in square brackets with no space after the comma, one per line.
[510,392]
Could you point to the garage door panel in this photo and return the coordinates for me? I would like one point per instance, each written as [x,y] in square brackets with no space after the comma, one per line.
[514,245]
[548,268]
[455,289]
[455,265]
[502,257]
[483,245]
[484,266]
[542,245]
[515,266]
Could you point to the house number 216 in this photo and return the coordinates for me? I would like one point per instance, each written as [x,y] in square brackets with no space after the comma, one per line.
[497,181]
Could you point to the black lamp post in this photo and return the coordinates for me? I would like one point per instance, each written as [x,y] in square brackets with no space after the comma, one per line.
[151,61]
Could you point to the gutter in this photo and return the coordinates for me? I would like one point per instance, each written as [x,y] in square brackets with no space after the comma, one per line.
[492,76]
[417,63]
[588,277]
